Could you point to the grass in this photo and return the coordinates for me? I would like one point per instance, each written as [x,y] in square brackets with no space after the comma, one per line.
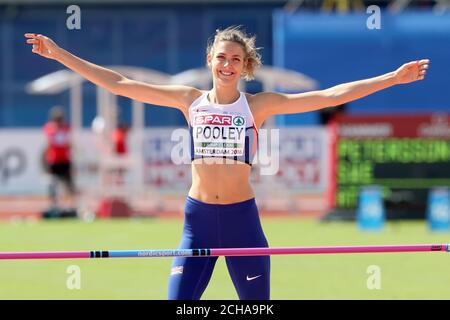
[403,275]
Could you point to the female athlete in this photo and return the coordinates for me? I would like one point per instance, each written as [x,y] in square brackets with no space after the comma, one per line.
[220,209]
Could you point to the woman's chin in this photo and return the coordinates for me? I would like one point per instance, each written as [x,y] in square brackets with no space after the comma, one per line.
[226,82]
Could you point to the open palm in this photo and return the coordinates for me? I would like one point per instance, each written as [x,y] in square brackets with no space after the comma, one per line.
[412,71]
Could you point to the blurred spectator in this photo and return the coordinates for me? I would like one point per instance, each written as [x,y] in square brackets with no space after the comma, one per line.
[119,137]
[113,202]
[120,149]
[57,157]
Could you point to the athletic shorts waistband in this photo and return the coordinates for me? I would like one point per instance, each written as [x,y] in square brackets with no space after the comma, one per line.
[235,205]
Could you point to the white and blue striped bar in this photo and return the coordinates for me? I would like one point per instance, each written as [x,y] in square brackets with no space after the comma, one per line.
[150,253]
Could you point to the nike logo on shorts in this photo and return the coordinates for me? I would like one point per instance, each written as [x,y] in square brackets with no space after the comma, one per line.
[253,278]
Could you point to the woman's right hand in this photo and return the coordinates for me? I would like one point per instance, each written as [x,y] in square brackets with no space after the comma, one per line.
[42,45]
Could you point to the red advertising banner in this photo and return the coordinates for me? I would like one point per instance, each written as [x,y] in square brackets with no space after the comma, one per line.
[399,126]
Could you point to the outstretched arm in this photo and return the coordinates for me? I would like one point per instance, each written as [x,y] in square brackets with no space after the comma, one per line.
[270,103]
[163,95]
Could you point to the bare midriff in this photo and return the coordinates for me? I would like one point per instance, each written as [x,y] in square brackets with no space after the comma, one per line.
[220,183]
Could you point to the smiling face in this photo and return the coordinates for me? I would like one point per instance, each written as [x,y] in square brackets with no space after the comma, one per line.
[227,62]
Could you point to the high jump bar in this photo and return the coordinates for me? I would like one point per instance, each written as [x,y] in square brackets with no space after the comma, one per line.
[223,252]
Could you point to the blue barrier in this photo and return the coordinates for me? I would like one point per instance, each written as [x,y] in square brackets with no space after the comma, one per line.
[371,212]
[438,213]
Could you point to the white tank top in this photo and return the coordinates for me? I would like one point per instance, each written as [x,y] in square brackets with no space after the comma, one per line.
[222,130]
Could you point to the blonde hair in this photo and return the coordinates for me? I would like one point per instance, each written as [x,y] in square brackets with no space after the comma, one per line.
[252,58]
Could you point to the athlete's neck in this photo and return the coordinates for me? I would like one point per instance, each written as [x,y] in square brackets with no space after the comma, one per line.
[223,95]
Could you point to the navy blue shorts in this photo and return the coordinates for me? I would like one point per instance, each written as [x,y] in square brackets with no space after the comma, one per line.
[234,225]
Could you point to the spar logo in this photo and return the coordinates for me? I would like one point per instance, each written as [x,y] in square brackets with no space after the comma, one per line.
[238,121]
[216,119]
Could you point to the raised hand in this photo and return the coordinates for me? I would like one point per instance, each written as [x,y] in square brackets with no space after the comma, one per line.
[412,71]
[42,45]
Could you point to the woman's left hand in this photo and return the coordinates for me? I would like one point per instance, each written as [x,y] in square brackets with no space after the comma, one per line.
[411,71]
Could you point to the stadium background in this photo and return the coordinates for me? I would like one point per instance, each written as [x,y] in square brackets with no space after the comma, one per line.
[155,36]
[327,43]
